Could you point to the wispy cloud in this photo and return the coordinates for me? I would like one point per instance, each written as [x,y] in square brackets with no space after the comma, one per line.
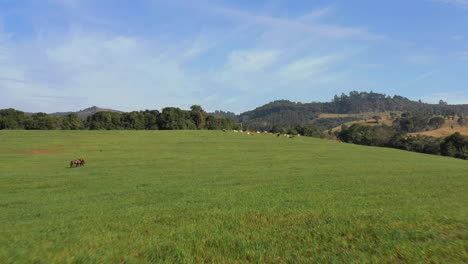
[307,24]
[115,69]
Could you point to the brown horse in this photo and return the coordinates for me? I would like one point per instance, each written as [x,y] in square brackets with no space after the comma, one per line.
[79,162]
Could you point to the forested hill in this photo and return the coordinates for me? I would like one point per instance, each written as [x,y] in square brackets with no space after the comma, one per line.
[291,113]
[85,112]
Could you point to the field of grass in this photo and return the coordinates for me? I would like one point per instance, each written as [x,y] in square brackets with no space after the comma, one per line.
[214,197]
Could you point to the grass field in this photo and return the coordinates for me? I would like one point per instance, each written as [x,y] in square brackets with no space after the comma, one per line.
[214,197]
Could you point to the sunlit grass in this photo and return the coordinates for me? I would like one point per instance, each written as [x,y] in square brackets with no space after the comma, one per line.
[209,196]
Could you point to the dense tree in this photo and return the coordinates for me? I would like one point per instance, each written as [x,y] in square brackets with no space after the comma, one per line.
[328,123]
[72,122]
[13,119]
[309,131]
[173,118]
[436,122]
[412,122]
[198,116]
[105,121]
[455,145]
[151,118]
[280,128]
[42,121]
[134,120]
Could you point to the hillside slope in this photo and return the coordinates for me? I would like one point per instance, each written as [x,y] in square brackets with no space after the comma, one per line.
[85,112]
[293,113]
[212,196]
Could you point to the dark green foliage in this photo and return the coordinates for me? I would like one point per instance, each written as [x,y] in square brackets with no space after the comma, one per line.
[413,122]
[134,120]
[423,144]
[365,135]
[309,131]
[105,121]
[228,115]
[13,119]
[173,118]
[436,122]
[280,128]
[455,145]
[329,123]
[42,121]
[72,122]
[151,119]
[283,112]
[198,116]
[216,123]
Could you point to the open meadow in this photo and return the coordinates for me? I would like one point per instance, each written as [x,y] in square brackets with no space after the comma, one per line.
[224,197]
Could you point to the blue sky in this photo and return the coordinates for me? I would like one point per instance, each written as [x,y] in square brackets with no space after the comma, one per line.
[60,55]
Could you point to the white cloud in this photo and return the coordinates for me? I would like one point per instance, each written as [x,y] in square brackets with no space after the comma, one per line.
[248,61]
[458,37]
[86,67]
[302,24]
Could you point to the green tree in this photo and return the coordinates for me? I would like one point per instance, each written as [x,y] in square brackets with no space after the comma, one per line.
[173,118]
[455,145]
[198,116]
[72,122]
[13,119]
[42,121]
[105,121]
[436,122]
[134,120]
[151,119]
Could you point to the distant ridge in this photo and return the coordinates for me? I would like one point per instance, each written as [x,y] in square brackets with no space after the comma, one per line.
[86,112]
[292,114]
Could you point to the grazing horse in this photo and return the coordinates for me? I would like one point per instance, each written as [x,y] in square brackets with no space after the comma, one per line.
[78,162]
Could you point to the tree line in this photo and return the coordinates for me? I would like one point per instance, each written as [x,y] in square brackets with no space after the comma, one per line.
[170,118]
[455,145]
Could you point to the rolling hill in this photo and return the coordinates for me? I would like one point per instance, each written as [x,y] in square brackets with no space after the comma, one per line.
[293,113]
[85,112]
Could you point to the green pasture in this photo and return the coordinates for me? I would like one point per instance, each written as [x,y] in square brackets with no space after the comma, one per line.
[224,197]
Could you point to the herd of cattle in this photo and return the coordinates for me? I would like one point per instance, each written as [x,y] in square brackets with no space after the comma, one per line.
[264,132]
